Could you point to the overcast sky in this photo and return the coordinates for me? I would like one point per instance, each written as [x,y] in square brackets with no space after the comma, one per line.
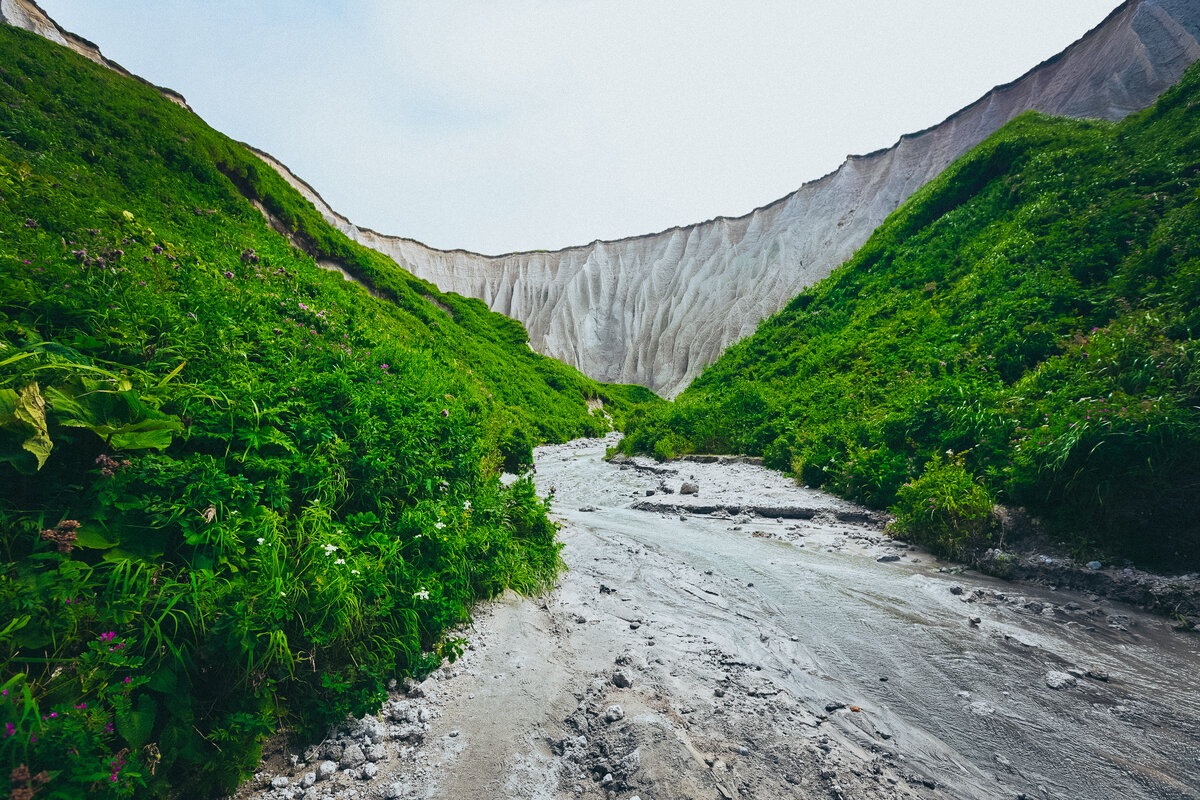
[501,125]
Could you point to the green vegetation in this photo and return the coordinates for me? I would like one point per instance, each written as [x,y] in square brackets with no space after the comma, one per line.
[1023,329]
[237,493]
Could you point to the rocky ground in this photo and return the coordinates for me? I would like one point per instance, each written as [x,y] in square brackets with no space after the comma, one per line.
[698,648]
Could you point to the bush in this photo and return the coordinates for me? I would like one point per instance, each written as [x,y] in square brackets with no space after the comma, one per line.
[944,509]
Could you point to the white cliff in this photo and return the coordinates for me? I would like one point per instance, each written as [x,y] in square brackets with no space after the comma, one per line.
[656,309]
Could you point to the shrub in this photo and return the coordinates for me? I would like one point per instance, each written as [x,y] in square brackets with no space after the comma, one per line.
[944,509]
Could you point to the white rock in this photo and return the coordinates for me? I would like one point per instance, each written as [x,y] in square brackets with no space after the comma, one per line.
[326,770]
[309,779]
[279,783]
[1059,680]
[614,713]
[369,771]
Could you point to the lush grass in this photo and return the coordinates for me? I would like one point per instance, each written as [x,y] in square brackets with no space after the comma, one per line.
[1023,329]
[237,493]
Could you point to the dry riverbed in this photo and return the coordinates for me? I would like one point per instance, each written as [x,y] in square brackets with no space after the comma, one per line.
[697,650]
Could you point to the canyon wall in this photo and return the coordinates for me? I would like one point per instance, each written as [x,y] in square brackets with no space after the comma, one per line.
[656,309]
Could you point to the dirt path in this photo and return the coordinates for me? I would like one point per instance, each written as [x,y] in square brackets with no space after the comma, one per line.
[725,655]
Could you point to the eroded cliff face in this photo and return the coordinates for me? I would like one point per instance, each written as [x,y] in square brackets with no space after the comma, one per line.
[656,309]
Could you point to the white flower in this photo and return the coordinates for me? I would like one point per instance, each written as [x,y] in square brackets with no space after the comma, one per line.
[355,572]
[340,561]
[261,540]
[329,549]
[467,505]
[340,531]
[421,595]
[439,525]
[283,594]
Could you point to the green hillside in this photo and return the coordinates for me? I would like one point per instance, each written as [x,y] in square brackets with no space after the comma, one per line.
[1022,330]
[237,492]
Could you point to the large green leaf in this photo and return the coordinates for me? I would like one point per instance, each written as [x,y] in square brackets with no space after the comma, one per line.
[136,726]
[24,413]
[88,536]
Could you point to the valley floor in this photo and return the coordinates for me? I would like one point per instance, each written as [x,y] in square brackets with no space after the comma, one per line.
[729,655]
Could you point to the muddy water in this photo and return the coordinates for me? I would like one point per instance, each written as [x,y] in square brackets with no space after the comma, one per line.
[806,602]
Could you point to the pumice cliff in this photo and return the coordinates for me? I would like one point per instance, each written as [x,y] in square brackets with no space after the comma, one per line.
[656,309]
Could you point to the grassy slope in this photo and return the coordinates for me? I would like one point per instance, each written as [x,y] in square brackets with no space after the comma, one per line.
[1033,311]
[286,490]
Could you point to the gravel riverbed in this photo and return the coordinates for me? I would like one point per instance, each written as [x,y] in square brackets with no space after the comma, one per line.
[699,649]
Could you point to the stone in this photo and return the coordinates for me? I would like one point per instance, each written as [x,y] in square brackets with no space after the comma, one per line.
[885,559]
[956,590]
[369,771]
[614,713]
[621,679]
[280,782]
[1094,565]
[326,770]
[689,488]
[393,791]
[376,752]
[308,780]
[352,756]
[1098,675]
[1059,680]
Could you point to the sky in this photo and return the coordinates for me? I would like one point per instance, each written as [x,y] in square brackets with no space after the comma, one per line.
[505,125]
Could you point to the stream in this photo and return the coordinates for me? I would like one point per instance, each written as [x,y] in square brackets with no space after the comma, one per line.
[966,705]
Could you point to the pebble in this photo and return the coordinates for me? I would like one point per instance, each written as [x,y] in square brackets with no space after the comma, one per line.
[1059,680]
[369,771]
[1094,565]
[352,756]
[325,770]
[885,559]
[621,680]
[280,782]
[614,713]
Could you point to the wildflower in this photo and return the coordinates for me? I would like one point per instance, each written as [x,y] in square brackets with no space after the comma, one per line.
[63,535]
[9,729]
[439,525]
[261,540]
[467,505]
[227,274]
[355,572]
[340,561]
[128,680]
[108,637]
[283,594]
[156,249]
[330,549]
[421,595]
